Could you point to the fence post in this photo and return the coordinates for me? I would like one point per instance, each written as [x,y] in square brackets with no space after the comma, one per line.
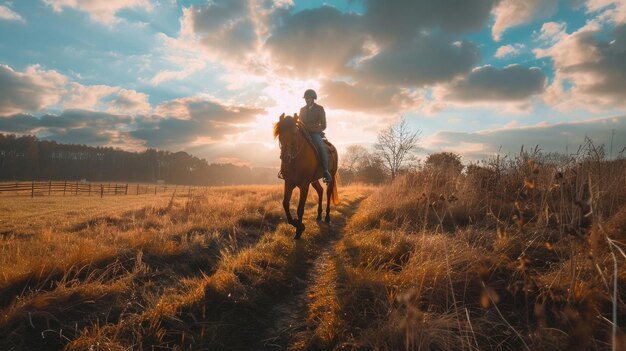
[64,186]
[89,189]
[32,189]
[49,187]
[126,191]
[101,190]
[137,189]
[115,188]
[155,187]
[76,189]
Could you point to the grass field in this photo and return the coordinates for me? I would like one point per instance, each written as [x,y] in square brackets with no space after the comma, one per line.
[522,256]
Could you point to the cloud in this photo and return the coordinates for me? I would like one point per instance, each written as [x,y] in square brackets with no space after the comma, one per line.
[185,121]
[509,51]
[559,137]
[369,98]
[317,42]
[610,10]
[100,11]
[400,20]
[427,60]
[9,15]
[167,75]
[71,126]
[184,53]
[200,108]
[225,25]
[589,66]
[229,33]
[231,29]
[489,84]
[32,90]
[511,13]
[552,32]
[37,89]
[130,102]
[79,96]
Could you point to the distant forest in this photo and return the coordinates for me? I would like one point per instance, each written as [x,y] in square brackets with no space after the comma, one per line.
[28,158]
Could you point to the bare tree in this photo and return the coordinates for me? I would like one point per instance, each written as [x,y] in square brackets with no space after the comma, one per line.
[395,144]
[354,157]
[359,165]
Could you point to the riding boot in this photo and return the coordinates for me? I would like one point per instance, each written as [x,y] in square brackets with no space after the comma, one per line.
[327,178]
[321,149]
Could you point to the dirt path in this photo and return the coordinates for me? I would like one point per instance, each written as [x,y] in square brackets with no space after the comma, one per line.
[290,315]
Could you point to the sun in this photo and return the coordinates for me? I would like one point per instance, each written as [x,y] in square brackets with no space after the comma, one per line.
[285,96]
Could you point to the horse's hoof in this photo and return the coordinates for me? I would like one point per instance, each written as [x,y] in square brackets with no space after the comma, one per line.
[327,219]
[299,230]
[319,218]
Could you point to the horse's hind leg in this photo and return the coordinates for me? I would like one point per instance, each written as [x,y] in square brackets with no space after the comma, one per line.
[320,195]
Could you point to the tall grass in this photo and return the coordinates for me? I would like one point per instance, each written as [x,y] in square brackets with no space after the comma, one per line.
[511,254]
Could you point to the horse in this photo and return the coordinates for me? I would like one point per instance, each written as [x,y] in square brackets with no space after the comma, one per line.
[300,168]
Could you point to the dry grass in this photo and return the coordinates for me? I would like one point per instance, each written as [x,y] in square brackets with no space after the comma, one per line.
[522,254]
[508,256]
[143,272]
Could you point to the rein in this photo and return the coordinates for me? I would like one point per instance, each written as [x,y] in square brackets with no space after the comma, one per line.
[291,156]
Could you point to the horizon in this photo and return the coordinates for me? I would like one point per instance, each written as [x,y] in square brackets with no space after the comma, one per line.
[211,77]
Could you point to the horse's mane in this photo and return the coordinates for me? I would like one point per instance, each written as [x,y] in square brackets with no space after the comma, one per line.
[284,124]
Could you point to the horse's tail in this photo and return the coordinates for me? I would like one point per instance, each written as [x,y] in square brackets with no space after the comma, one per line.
[334,197]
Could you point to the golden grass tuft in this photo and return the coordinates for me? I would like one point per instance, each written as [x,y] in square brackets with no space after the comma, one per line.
[509,255]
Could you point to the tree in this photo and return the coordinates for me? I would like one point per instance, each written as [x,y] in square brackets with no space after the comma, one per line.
[395,144]
[444,162]
[359,165]
[354,157]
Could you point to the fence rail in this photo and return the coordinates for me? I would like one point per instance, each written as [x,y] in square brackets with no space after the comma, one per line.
[67,188]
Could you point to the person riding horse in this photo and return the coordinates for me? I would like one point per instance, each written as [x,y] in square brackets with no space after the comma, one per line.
[314,118]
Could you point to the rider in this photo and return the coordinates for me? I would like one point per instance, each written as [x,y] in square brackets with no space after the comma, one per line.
[314,118]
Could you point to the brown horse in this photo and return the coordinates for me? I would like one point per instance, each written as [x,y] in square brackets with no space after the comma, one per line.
[300,168]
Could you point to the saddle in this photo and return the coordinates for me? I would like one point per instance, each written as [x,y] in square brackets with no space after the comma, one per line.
[330,147]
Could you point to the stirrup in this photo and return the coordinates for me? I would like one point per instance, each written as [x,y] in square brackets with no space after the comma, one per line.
[327,180]
[280,175]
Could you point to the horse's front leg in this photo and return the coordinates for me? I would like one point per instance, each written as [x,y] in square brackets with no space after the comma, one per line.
[329,194]
[304,191]
[286,199]
[320,194]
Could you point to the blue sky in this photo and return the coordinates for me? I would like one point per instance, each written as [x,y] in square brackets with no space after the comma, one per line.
[210,77]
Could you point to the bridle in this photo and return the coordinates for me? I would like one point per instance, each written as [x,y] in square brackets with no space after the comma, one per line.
[287,152]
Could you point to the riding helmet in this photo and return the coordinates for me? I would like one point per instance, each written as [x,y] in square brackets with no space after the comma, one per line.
[310,93]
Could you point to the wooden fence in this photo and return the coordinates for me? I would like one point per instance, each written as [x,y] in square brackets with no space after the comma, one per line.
[68,188]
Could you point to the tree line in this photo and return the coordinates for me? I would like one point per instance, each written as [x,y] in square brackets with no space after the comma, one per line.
[28,158]
[25,158]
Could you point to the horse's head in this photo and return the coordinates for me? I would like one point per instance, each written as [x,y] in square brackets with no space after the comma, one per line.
[286,130]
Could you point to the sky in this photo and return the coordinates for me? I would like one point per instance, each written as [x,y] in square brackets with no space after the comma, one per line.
[210,77]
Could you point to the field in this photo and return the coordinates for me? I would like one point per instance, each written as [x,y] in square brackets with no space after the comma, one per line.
[522,255]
